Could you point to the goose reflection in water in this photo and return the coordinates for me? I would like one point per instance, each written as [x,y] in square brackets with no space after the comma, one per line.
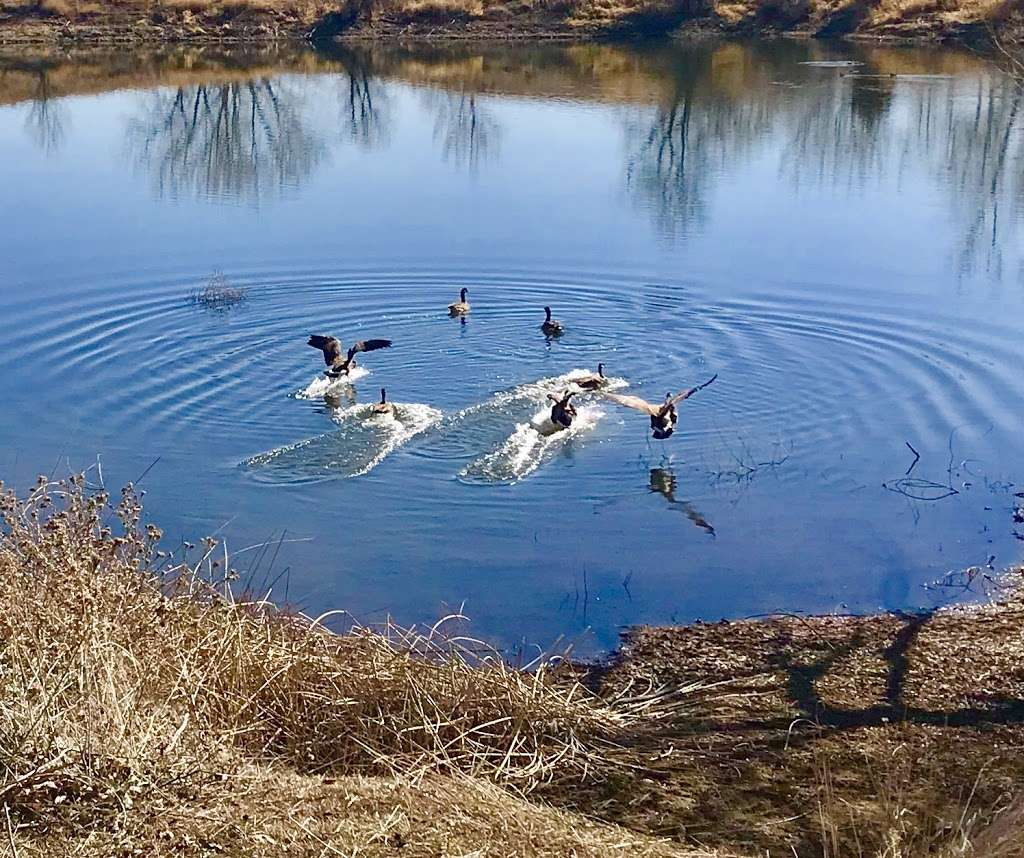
[664,482]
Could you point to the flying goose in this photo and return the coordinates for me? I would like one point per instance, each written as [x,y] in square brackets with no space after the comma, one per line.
[460,307]
[563,411]
[551,327]
[337,365]
[663,416]
[383,407]
[592,381]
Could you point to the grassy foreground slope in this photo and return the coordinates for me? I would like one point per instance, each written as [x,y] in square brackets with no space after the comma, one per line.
[144,710]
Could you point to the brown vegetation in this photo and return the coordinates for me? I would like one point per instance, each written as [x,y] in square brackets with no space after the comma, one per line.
[146,710]
[261,20]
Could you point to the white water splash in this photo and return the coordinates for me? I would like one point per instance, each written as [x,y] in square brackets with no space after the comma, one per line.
[406,421]
[538,391]
[529,446]
[323,385]
[362,441]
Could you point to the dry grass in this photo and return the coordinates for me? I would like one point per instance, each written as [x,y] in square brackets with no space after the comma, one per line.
[264,19]
[438,10]
[144,710]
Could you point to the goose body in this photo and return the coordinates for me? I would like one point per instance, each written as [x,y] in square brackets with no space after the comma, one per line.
[460,307]
[551,327]
[663,415]
[339,362]
[383,407]
[563,412]
[592,381]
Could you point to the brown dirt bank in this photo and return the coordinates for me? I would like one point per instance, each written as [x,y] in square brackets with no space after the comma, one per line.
[144,710]
[205,21]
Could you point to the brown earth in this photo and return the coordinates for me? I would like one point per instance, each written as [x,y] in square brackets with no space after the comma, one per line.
[210,21]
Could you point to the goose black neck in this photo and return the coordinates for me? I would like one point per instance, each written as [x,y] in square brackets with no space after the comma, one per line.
[383,396]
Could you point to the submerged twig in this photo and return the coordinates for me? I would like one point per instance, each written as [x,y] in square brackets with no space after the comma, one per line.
[917,458]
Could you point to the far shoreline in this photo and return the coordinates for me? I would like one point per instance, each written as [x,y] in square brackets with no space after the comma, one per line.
[439,21]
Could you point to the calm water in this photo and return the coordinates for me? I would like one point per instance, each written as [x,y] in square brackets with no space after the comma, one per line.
[835,231]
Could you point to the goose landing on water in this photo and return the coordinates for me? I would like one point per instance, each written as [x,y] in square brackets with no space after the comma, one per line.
[337,365]
[460,307]
[383,407]
[591,381]
[663,416]
[551,327]
[563,411]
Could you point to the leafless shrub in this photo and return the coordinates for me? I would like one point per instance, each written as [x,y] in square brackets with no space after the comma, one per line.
[218,293]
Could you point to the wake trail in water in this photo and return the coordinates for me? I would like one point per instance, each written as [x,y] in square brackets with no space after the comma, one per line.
[362,441]
[529,446]
[533,440]
[322,385]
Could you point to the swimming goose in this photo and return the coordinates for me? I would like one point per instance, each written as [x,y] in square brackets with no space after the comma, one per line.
[460,307]
[663,416]
[563,411]
[592,381]
[551,327]
[383,407]
[337,365]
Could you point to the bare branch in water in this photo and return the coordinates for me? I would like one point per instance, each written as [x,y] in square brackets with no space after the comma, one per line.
[917,458]
[218,294]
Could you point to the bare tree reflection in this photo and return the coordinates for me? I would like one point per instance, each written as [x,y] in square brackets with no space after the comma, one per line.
[676,150]
[972,140]
[246,140]
[46,121]
[469,134]
[983,158]
[365,114]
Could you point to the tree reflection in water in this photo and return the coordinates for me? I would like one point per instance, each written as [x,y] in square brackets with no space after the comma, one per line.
[696,112]
[469,134]
[46,120]
[676,150]
[365,107]
[246,140]
[726,106]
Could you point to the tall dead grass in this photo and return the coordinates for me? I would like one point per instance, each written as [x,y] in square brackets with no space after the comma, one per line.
[893,821]
[133,684]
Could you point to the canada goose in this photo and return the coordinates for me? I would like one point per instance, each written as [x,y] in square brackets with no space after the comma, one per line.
[563,411]
[663,416]
[460,307]
[551,327]
[337,365]
[593,381]
[383,407]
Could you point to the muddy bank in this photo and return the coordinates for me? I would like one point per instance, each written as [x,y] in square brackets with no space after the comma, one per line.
[834,735]
[71,22]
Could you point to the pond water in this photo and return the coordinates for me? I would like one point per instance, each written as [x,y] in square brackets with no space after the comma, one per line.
[835,230]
